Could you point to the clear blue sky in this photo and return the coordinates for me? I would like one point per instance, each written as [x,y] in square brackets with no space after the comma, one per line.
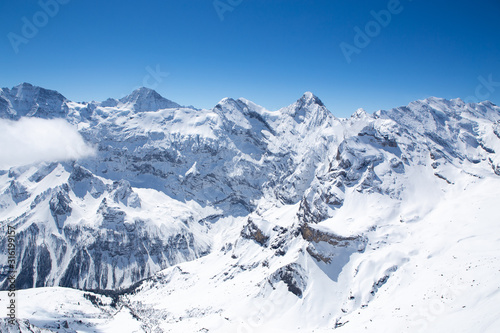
[267,51]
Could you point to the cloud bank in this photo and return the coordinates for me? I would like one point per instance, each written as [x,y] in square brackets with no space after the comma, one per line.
[32,140]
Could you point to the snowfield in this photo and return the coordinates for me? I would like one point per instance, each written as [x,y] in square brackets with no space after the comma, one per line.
[241,219]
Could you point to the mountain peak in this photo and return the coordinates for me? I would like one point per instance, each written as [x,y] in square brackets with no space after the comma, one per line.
[140,93]
[146,90]
[308,94]
[309,98]
[308,109]
[360,113]
[28,100]
[226,100]
[146,99]
[24,85]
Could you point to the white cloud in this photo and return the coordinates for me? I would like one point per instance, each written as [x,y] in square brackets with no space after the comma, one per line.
[31,140]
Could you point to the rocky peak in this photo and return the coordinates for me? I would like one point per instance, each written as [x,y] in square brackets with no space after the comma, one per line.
[359,114]
[226,102]
[308,109]
[110,102]
[308,98]
[31,101]
[145,99]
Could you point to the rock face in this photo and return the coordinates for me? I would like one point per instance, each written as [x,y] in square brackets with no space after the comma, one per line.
[294,277]
[88,233]
[165,176]
[60,205]
[26,100]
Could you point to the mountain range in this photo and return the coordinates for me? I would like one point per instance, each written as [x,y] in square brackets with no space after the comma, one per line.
[242,219]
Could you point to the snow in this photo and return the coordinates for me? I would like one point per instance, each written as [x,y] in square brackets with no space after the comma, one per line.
[451,277]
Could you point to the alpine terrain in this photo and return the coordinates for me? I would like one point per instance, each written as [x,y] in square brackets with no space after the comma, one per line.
[241,219]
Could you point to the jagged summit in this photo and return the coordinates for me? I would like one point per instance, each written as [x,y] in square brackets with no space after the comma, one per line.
[360,114]
[26,85]
[309,98]
[141,93]
[146,99]
[27,100]
[26,90]
[226,100]
[308,110]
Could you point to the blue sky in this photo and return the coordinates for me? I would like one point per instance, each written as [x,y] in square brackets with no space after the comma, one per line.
[267,51]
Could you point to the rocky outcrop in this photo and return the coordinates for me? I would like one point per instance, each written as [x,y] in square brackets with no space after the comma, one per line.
[293,276]
[60,205]
[82,181]
[315,235]
[18,192]
[251,231]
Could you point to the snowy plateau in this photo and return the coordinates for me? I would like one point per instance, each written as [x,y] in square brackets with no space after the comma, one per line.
[241,219]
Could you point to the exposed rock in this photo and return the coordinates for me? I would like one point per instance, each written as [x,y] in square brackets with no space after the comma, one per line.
[315,235]
[293,276]
[18,191]
[125,194]
[251,231]
[82,181]
[60,204]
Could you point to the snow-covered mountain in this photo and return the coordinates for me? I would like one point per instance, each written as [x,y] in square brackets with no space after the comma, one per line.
[241,219]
